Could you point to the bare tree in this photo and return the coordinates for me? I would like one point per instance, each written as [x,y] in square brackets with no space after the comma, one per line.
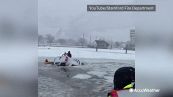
[82,42]
[40,39]
[117,44]
[62,41]
[50,38]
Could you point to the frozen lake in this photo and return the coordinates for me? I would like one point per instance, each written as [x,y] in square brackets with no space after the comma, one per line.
[94,79]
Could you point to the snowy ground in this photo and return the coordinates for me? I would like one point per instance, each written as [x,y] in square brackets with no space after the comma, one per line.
[94,79]
[87,53]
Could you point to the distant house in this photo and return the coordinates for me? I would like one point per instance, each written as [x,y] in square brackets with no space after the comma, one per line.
[101,44]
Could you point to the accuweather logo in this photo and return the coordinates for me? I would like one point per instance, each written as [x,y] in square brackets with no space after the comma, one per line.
[144,90]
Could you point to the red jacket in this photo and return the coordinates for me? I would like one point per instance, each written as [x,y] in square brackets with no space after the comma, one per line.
[113,93]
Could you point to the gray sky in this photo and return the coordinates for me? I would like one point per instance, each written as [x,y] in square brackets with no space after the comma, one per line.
[69,18]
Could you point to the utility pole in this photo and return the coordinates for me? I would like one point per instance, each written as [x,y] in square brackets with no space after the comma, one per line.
[90,40]
[83,40]
[111,43]
[126,48]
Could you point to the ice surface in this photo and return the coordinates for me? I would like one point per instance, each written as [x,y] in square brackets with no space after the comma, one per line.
[49,87]
[95,77]
[97,73]
[108,79]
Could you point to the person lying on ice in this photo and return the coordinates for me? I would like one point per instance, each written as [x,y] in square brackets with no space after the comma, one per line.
[124,78]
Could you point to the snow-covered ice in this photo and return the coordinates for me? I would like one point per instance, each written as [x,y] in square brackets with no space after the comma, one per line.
[82,76]
[86,53]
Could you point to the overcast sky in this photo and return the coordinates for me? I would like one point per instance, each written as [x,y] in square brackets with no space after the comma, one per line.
[69,18]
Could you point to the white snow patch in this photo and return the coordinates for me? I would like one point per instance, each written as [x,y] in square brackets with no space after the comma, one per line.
[82,76]
[97,73]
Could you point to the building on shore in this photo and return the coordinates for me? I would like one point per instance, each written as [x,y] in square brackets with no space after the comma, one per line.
[102,44]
